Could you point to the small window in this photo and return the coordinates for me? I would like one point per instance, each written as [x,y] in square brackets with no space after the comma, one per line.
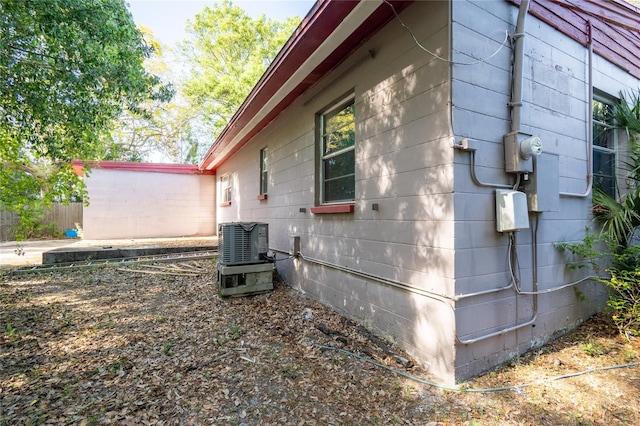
[225,189]
[264,171]
[337,153]
[604,146]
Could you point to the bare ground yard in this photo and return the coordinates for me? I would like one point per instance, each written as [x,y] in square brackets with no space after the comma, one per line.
[110,346]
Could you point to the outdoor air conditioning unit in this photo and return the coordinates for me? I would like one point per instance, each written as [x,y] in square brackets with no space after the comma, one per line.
[242,243]
[243,265]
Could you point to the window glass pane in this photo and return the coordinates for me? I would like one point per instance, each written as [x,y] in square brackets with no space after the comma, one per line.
[603,112]
[603,136]
[263,171]
[225,184]
[340,165]
[339,129]
[604,171]
[341,189]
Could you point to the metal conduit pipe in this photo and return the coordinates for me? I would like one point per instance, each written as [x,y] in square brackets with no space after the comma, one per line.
[588,119]
[441,298]
[516,107]
[398,284]
[413,289]
[518,66]
[472,165]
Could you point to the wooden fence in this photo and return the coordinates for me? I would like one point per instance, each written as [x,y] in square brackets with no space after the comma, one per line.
[65,217]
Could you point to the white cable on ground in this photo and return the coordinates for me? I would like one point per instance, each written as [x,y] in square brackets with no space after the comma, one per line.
[470,390]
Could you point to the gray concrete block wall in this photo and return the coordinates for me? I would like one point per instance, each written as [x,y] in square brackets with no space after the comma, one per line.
[555,107]
[403,163]
[434,229]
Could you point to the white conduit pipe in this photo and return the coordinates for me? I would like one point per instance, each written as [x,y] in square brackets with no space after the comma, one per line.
[398,284]
[416,290]
[439,297]
[588,119]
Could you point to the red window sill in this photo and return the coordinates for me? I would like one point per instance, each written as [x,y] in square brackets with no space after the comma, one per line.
[262,197]
[333,208]
[225,204]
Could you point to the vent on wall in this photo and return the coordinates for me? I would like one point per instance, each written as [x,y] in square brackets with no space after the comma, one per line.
[243,243]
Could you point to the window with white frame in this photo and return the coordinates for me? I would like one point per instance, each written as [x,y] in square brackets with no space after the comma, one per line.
[604,145]
[337,152]
[225,188]
[264,171]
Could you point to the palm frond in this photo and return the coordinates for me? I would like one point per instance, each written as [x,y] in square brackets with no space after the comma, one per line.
[618,219]
[628,111]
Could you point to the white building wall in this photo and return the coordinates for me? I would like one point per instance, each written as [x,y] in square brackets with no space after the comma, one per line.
[142,204]
[556,97]
[403,164]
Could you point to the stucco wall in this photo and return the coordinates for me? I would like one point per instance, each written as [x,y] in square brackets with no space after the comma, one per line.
[403,164]
[555,108]
[137,204]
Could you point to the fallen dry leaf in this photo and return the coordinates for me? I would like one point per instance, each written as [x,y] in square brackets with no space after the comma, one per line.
[109,346]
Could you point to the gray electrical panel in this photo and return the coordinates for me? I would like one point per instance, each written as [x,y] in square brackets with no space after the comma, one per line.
[543,185]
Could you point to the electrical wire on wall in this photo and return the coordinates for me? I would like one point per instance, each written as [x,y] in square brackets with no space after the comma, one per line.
[534,244]
[435,55]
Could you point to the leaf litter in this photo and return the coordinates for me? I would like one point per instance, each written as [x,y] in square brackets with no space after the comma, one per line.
[155,344]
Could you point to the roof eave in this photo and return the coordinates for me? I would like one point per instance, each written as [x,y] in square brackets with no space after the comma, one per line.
[330,32]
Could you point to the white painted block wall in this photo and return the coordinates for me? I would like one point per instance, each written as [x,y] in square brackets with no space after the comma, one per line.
[132,204]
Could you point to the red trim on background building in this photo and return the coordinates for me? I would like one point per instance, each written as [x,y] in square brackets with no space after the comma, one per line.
[262,197]
[183,169]
[333,208]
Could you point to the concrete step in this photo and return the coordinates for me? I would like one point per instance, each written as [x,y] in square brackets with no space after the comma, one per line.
[82,254]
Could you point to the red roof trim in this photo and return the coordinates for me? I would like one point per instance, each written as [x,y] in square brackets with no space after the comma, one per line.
[183,169]
[615,23]
[321,21]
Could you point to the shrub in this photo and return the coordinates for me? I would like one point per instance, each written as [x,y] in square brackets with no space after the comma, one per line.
[621,276]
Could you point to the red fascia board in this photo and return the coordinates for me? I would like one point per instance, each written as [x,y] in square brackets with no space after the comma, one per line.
[311,33]
[366,30]
[610,20]
[615,14]
[183,169]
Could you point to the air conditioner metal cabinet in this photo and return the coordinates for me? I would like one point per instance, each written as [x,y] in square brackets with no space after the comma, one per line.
[243,265]
[242,243]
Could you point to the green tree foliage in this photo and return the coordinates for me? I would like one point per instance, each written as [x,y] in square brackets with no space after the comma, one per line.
[67,68]
[228,52]
[164,130]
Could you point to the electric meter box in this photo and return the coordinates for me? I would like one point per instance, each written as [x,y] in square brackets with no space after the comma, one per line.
[511,211]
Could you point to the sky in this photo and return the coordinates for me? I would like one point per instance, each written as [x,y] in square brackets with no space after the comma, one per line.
[167,18]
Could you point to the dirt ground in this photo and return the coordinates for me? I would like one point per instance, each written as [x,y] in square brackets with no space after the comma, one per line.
[141,345]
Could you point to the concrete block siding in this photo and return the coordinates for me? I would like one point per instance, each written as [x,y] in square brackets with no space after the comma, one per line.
[403,164]
[555,107]
[142,204]
[432,236]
